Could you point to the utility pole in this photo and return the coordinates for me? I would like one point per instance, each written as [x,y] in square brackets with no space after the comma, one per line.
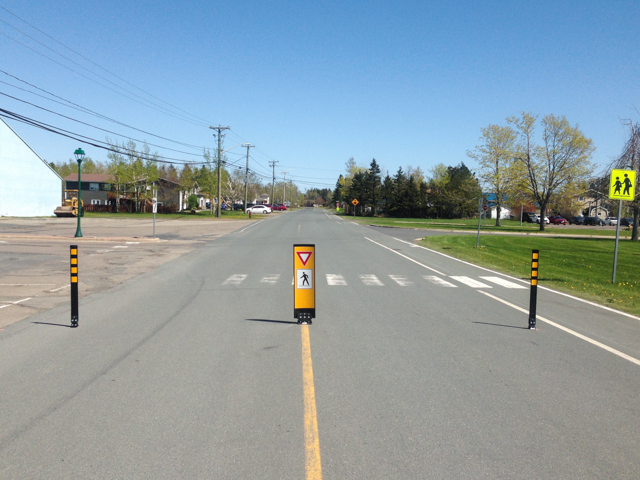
[219,129]
[284,189]
[246,175]
[273,180]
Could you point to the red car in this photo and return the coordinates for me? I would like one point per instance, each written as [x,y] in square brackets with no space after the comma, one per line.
[279,208]
[557,220]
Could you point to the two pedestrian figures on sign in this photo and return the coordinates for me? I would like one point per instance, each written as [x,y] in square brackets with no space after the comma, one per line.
[618,185]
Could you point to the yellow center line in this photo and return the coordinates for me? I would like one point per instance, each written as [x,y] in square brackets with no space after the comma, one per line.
[313,465]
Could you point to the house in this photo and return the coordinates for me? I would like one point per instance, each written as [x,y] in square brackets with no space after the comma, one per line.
[262,199]
[29,187]
[95,187]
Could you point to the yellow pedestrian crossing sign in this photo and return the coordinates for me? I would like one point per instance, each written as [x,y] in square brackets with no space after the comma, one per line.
[622,185]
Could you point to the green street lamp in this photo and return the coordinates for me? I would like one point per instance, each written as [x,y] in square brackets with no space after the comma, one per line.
[79,153]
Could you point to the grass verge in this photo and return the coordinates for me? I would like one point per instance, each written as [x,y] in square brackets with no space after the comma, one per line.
[199,215]
[582,267]
[508,226]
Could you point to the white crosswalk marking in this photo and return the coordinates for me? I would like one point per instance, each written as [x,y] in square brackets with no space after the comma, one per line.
[471,282]
[439,281]
[333,279]
[503,282]
[371,280]
[234,280]
[270,279]
[401,280]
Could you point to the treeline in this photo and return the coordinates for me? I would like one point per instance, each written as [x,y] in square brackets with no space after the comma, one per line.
[450,191]
[135,170]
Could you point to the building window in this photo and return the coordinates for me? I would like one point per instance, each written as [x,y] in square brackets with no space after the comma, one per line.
[95,201]
[94,186]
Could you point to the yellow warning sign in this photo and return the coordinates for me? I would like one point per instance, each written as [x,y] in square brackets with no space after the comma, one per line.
[304,283]
[355,202]
[622,185]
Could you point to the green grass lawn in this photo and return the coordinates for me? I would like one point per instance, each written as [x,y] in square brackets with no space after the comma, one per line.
[199,215]
[582,267]
[507,226]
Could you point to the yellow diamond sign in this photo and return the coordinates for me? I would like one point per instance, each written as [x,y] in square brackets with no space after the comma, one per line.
[622,185]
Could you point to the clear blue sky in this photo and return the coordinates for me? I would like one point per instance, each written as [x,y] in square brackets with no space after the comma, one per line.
[314,83]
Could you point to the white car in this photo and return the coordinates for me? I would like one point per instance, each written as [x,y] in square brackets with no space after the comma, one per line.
[546,219]
[259,209]
[611,221]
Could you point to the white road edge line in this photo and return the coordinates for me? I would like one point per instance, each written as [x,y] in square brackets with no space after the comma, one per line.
[568,330]
[408,258]
[13,303]
[56,289]
[588,302]
[252,225]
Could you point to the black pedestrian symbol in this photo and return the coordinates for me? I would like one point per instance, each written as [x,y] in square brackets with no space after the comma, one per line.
[627,185]
[305,278]
[618,185]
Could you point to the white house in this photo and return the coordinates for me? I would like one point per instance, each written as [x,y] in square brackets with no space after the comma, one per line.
[29,187]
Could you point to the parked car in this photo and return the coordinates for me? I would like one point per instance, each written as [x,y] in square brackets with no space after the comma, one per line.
[576,220]
[557,220]
[593,221]
[626,222]
[546,219]
[259,209]
[279,208]
[530,217]
[611,221]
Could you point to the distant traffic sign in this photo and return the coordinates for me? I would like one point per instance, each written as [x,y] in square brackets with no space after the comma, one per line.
[485,208]
[304,291]
[355,202]
[622,185]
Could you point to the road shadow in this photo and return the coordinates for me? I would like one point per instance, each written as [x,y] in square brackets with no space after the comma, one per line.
[52,324]
[499,325]
[269,321]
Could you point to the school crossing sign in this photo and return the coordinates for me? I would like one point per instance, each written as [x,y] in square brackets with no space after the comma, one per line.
[622,185]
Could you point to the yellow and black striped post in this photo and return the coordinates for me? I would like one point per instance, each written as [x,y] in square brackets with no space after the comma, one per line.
[535,257]
[74,286]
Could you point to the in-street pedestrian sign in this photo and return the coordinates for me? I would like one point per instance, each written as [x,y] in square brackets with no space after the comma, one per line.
[622,185]
[355,202]
[304,285]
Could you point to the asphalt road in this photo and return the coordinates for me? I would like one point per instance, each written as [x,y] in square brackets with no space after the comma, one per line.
[422,368]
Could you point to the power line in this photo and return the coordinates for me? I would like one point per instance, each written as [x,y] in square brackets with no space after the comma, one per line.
[94,63]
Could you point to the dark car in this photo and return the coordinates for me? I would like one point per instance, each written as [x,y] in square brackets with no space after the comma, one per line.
[594,221]
[576,220]
[530,217]
[626,222]
[557,220]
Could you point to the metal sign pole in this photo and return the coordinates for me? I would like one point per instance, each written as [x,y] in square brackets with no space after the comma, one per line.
[615,252]
[479,220]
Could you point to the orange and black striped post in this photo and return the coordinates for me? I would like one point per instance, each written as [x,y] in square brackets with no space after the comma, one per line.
[74,286]
[535,256]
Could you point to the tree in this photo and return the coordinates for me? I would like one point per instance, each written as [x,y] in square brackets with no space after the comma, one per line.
[630,159]
[372,185]
[495,159]
[556,167]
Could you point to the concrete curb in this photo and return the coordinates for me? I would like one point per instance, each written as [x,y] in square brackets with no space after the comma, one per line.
[59,238]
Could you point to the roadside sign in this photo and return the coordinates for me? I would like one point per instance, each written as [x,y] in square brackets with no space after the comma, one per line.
[622,185]
[304,285]
[485,207]
[155,205]
[355,202]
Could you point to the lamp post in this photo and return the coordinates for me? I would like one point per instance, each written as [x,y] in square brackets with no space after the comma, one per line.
[79,153]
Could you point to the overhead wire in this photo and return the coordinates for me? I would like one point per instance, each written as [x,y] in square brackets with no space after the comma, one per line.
[97,65]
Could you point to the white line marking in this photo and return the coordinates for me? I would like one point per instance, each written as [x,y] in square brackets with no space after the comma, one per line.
[503,282]
[526,282]
[470,282]
[333,279]
[26,284]
[371,280]
[133,243]
[14,303]
[234,280]
[401,280]
[55,290]
[120,246]
[252,225]
[439,281]
[408,258]
[270,279]
[568,330]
